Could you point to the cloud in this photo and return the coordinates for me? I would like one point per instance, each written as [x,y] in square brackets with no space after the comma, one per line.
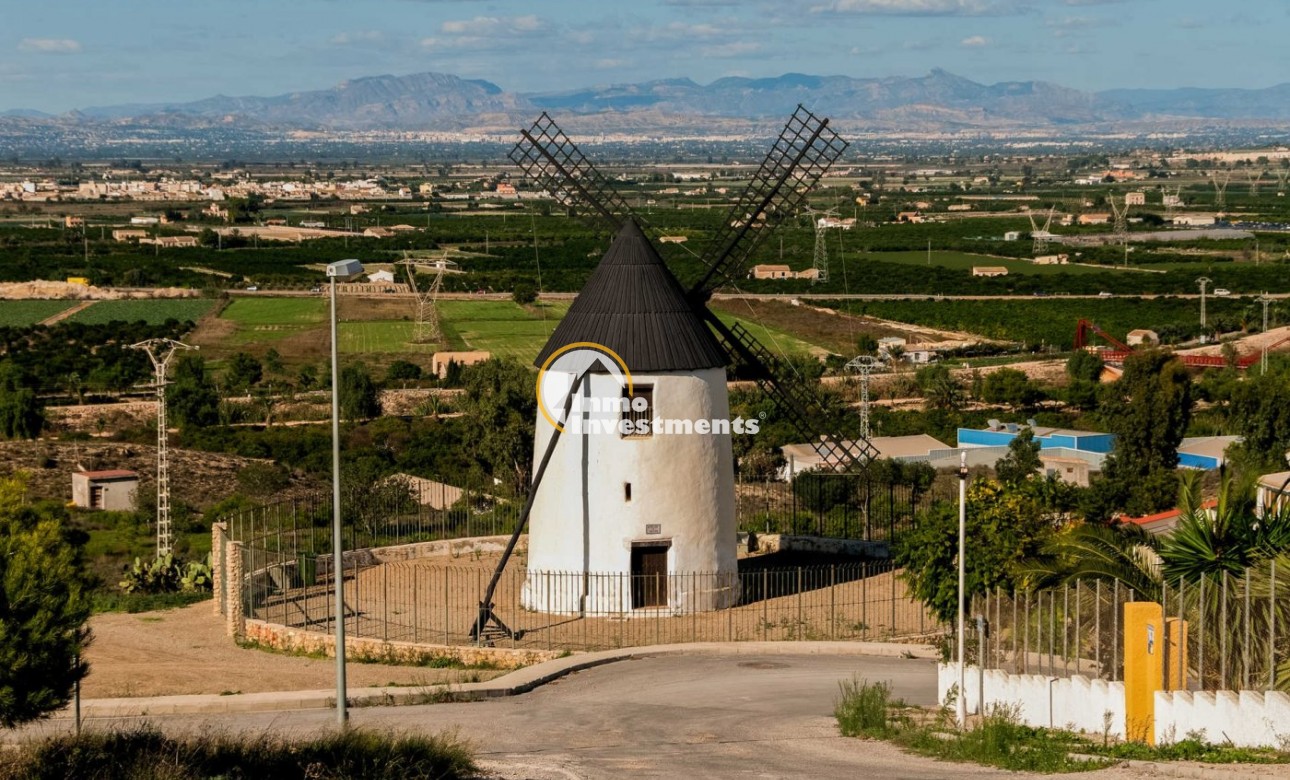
[357,37]
[49,45]
[609,64]
[493,25]
[975,41]
[920,7]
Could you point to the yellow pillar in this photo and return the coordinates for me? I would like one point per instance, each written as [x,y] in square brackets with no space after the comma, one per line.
[1144,668]
[1176,656]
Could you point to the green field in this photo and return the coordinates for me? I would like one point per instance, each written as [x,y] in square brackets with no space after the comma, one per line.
[254,312]
[381,336]
[503,328]
[779,342]
[964,261]
[152,311]
[20,314]
[264,320]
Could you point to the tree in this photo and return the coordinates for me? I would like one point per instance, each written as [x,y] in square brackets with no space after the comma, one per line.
[866,344]
[359,397]
[1005,526]
[1010,387]
[1022,461]
[191,398]
[1260,412]
[524,293]
[243,372]
[44,605]
[402,370]
[22,414]
[1148,410]
[499,409]
[1084,366]
[941,391]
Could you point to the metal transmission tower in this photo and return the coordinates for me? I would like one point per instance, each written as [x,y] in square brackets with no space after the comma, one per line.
[160,351]
[1172,200]
[1121,223]
[1263,359]
[1221,179]
[821,262]
[1040,235]
[864,366]
[1204,281]
[1254,177]
[1282,176]
[426,326]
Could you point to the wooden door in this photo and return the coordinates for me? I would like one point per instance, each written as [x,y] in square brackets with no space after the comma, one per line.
[649,576]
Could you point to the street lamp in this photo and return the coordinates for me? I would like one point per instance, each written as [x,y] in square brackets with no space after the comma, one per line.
[962,697]
[339,270]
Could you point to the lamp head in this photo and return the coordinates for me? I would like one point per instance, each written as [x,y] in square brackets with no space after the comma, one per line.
[344,269]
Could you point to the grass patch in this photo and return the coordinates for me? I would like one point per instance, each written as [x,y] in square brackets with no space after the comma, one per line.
[20,314]
[864,709]
[253,312]
[152,311]
[388,656]
[147,753]
[1191,749]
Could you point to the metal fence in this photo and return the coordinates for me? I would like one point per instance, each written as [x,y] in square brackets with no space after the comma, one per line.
[436,602]
[845,506]
[1237,633]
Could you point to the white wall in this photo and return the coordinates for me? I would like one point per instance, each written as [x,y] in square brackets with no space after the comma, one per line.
[1064,702]
[582,521]
[1246,719]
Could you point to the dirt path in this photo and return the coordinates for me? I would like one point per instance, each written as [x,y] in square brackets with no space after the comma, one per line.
[65,313]
[185,651]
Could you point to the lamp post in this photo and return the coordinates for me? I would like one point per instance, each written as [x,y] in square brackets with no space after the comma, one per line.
[341,269]
[962,697]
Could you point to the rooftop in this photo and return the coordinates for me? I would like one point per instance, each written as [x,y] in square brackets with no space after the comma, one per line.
[109,474]
[633,305]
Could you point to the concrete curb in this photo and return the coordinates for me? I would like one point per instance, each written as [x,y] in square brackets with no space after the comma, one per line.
[512,684]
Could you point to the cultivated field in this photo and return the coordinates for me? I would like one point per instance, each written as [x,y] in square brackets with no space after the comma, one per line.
[20,314]
[154,311]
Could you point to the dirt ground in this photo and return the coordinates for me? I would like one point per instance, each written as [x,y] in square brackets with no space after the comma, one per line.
[185,651]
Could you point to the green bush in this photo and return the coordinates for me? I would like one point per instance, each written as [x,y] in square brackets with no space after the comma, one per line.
[146,753]
[167,574]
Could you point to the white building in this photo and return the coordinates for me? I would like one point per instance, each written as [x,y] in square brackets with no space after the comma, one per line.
[381,277]
[622,523]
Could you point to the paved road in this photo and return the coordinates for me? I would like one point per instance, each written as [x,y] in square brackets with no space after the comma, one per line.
[709,716]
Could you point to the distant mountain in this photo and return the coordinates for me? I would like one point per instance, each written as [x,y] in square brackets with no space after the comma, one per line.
[380,102]
[936,101]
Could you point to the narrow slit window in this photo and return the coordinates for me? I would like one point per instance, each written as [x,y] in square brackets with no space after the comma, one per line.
[638,413]
[627,491]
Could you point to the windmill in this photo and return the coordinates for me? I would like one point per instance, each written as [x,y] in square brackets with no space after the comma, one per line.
[820,221]
[1220,180]
[1040,235]
[426,326]
[160,352]
[691,349]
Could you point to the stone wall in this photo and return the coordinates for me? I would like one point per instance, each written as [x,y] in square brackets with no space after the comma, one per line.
[293,640]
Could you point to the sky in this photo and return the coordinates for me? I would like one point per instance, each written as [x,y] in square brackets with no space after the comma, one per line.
[56,55]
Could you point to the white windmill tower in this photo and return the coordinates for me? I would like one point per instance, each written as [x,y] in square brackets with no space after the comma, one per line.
[634,511]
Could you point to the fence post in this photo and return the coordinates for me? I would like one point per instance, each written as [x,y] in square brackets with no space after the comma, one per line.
[236,622]
[1115,632]
[801,631]
[1272,628]
[833,601]
[219,532]
[1223,645]
[765,598]
[1200,607]
[1245,651]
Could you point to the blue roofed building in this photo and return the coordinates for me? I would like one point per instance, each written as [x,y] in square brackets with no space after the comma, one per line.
[999,434]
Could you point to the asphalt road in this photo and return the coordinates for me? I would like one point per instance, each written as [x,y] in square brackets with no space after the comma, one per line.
[702,716]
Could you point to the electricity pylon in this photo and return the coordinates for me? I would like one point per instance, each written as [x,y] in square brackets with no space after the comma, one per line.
[426,326]
[160,351]
[1041,236]
[821,257]
[1204,281]
[865,365]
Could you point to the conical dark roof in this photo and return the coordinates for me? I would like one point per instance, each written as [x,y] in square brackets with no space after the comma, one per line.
[633,305]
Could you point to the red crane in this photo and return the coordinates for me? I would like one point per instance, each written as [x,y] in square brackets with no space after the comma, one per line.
[1084,327]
